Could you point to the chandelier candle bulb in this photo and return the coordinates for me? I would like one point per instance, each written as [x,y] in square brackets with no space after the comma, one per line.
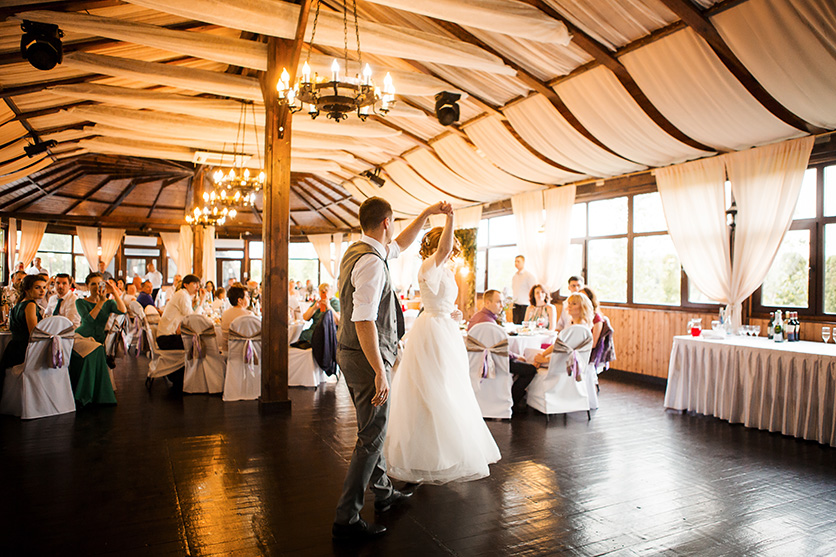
[335,71]
[306,73]
[367,75]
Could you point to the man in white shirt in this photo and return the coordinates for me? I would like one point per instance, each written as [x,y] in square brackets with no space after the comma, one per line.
[575,285]
[521,284]
[36,268]
[180,305]
[367,346]
[156,279]
[63,301]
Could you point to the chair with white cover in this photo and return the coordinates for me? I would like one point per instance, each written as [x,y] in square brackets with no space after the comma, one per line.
[294,331]
[562,388]
[163,362]
[302,369]
[117,334]
[204,363]
[136,317]
[487,350]
[243,366]
[152,314]
[40,386]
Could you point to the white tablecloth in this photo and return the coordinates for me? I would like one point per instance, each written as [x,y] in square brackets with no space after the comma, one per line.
[786,387]
[518,344]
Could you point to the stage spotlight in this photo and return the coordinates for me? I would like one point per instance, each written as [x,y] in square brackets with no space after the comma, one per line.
[374,176]
[446,109]
[38,148]
[41,44]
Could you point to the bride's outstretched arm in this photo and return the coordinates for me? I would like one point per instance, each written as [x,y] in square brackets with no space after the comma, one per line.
[445,243]
[409,233]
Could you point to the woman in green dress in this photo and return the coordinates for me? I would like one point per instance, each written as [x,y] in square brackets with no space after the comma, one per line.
[89,374]
[23,318]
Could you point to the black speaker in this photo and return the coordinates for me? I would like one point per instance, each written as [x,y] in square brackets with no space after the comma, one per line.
[41,44]
[446,109]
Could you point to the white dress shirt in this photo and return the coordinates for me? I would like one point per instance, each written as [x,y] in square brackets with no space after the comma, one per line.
[67,308]
[156,279]
[368,276]
[521,284]
[176,309]
[36,270]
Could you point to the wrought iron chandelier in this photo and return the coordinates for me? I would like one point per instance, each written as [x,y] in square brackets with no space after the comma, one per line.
[337,98]
[238,183]
[210,216]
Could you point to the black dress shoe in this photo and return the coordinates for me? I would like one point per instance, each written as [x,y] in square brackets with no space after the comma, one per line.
[359,531]
[396,498]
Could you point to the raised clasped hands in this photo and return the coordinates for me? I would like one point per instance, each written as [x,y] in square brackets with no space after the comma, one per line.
[442,207]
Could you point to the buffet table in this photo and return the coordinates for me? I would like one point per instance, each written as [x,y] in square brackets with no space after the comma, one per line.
[786,387]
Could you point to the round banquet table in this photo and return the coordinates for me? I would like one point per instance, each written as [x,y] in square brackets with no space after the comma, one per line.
[535,340]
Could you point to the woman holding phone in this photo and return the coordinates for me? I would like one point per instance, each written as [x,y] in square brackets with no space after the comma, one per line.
[89,373]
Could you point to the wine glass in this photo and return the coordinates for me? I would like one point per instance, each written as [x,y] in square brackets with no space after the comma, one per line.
[825,334]
[756,330]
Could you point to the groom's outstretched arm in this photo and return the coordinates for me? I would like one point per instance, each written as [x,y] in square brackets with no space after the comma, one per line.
[408,235]
[367,335]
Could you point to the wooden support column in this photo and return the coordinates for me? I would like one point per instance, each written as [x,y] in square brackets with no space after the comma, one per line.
[281,53]
[197,201]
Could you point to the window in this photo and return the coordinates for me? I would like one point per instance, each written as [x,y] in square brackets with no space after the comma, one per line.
[138,252]
[496,243]
[256,261]
[803,273]
[56,253]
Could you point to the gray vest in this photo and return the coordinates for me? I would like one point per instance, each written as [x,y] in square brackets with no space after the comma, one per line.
[388,312]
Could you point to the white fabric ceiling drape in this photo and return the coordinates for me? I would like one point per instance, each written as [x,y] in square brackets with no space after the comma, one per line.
[278,19]
[492,137]
[400,200]
[624,127]
[11,246]
[694,202]
[468,217]
[323,247]
[417,186]
[541,126]
[111,240]
[502,16]
[88,237]
[210,271]
[557,203]
[438,174]
[688,83]
[766,182]
[790,48]
[31,234]
[465,161]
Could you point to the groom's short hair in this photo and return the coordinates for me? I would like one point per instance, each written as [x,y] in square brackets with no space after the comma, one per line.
[374,211]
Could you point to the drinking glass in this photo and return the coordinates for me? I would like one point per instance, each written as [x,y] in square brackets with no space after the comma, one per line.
[756,330]
[825,334]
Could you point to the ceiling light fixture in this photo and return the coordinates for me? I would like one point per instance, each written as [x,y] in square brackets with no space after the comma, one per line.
[446,107]
[336,98]
[41,44]
[374,176]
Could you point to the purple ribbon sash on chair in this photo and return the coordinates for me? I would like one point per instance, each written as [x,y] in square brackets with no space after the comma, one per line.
[250,355]
[573,363]
[55,356]
[139,334]
[488,365]
[197,350]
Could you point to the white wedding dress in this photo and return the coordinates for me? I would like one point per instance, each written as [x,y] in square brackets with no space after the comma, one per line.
[436,432]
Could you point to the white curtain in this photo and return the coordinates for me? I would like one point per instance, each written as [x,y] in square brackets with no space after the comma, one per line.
[766,182]
[31,234]
[184,254]
[111,240]
[540,125]
[88,237]
[558,204]
[405,268]
[338,256]
[468,217]
[210,271]
[529,217]
[694,202]
[11,246]
[171,242]
[790,48]
[328,249]
[688,83]
[504,150]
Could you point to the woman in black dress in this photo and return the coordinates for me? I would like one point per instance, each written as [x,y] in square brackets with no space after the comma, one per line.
[23,318]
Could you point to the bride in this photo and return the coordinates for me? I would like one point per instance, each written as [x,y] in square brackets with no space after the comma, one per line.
[436,431]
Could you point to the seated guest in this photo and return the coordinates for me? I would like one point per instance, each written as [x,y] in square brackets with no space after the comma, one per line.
[145,298]
[210,290]
[581,313]
[239,299]
[89,374]
[540,310]
[317,310]
[523,372]
[598,319]
[137,282]
[180,305]
[11,293]
[294,308]
[23,318]
[220,303]
[575,285]
[130,294]
[50,290]
[63,301]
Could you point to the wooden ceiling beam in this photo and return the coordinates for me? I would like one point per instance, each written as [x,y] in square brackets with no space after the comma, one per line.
[118,201]
[28,202]
[92,192]
[163,185]
[298,190]
[701,25]
[83,5]
[25,123]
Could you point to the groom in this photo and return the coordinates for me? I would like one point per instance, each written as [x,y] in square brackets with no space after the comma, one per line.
[367,339]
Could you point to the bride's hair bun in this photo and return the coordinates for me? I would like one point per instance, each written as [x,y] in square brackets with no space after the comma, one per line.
[430,243]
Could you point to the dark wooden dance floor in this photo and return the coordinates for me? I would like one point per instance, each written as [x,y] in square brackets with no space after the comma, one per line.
[165,475]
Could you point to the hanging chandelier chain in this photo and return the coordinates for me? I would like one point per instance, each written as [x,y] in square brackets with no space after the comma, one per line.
[313,32]
[357,30]
[255,131]
[345,36]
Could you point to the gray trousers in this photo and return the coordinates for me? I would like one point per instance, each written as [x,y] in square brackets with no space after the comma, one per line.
[368,466]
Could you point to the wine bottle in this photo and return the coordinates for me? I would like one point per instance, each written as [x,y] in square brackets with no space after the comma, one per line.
[770,329]
[778,328]
[797,328]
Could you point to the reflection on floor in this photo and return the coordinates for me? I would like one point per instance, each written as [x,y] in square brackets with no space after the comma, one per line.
[165,475]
